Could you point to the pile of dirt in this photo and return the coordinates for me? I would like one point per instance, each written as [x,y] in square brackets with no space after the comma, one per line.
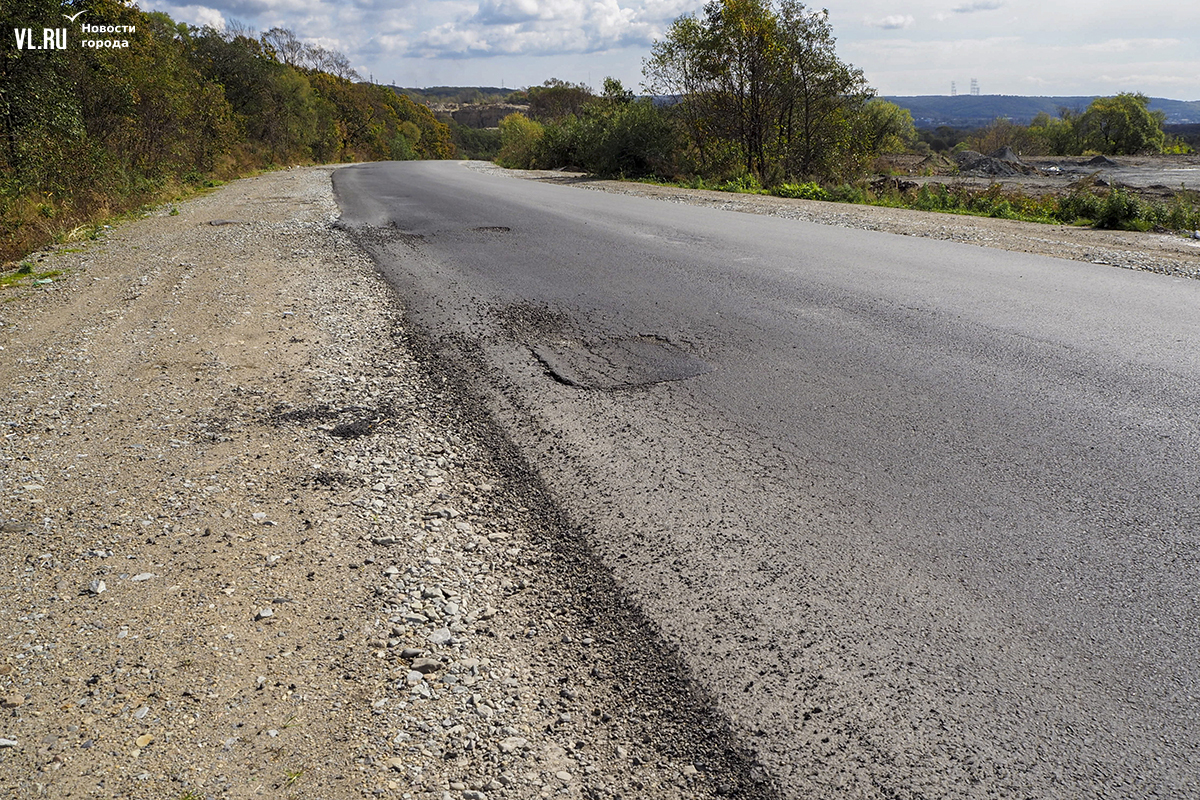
[1003,163]
[1101,162]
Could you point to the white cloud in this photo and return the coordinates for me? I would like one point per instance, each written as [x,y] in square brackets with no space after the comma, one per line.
[529,27]
[1131,45]
[200,16]
[978,5]
[1100,47]
[890,23]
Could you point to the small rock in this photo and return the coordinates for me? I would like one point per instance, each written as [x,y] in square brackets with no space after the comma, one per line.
[142,576]
[411,652]
[97,587]
[396,764]
[8,742]
[563,776]
[440,636]
[264,613]
[426,665]
[144,740]
[141,713]
[11,701]
[513,743]
[473,794]
[690,771]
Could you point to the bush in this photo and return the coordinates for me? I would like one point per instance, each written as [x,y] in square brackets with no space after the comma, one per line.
[743,184]
[1178,215]
[633,139]
[520,138]
[1122,211]
[801,191]
[1080,205]
[849,193]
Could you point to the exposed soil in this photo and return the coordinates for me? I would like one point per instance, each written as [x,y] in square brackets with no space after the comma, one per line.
[1152,177]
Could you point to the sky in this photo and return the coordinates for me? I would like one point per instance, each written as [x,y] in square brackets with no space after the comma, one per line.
[904,47]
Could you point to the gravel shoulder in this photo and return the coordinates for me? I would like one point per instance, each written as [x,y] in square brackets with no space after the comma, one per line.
[254,546]
[1164,253]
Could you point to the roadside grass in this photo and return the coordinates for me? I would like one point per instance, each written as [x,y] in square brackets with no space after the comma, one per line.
[29,222]
[24,274]
[1113,208]
[42,229]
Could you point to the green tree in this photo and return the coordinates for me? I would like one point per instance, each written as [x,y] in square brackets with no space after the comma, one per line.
[613,134]
[824,99]
[1122,125]
[1056,136]
[886,127]
[39,112]
[556,99]
[760,80]
[520,138]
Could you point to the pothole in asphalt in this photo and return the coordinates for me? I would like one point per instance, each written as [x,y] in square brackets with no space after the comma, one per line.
[618,363]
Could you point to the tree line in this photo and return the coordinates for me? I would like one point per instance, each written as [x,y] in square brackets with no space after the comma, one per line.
[1118,125]
[93,131]
[753,93]
[749,89]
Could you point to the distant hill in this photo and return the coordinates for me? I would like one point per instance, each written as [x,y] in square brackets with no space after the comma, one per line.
[972,111]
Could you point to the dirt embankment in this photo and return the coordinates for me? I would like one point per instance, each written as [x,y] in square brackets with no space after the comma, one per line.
[252,547]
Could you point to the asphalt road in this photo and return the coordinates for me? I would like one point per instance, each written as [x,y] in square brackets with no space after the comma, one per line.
[922,517]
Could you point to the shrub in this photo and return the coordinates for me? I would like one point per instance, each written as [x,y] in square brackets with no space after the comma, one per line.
[520,138]
[743,184]
[1120,210]
[1080,205]
[849,193]
[801,191]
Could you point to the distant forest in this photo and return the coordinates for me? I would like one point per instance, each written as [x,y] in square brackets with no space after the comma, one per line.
[976,111]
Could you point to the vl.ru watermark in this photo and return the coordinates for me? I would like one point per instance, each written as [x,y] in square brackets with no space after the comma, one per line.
[56,38]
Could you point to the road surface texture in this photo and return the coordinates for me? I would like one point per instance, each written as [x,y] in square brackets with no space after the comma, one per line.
[921,517]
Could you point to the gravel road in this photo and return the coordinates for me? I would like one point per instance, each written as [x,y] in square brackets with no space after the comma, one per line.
[254,547]
[257,545]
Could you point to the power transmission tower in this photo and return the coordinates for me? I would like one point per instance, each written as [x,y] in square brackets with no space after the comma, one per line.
[974,87]
[953,89]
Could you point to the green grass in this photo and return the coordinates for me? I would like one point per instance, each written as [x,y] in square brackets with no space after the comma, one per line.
[1113,209]
[24,275]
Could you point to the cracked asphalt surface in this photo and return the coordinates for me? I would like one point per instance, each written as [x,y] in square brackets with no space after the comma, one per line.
[922,517]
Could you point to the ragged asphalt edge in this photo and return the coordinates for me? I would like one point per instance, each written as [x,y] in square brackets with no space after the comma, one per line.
[636,651]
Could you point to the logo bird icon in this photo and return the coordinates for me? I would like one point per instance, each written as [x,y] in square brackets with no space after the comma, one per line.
[72,19]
